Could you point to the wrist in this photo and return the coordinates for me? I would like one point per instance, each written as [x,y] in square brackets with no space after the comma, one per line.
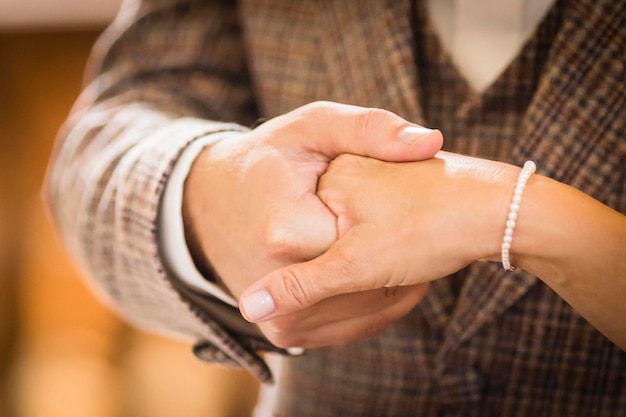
[497,183]
[543,225]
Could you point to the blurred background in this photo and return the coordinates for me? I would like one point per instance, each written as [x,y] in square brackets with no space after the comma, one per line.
[62,354]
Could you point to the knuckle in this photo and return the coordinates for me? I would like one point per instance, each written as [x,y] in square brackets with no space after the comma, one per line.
[312,109]
[278,244]
[295,288]
[298,115]
[373,121]
[341,163]
[305,119]
[315,105]
[277,249]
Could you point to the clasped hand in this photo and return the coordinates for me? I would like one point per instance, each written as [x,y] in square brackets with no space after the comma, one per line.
[400,226]
[253,211]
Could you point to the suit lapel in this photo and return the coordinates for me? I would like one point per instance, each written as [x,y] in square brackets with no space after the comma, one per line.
[580,98]
[487,293]
[571,124]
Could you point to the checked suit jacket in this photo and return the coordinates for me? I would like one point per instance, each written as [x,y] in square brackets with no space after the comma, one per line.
[168,72]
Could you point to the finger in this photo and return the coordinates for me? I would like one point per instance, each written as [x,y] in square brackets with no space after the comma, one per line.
[331,129]
[349,266]
[347,330]
[347,306]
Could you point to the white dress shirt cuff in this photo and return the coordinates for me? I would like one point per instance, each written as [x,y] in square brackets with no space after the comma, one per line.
[176,255]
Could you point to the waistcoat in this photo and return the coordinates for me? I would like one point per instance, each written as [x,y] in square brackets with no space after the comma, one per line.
[485,342]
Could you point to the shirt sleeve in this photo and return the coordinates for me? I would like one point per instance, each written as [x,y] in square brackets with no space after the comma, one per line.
[174,250]
[176,255]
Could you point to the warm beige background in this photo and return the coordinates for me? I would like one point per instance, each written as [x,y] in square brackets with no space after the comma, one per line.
[61,353]
[38,14]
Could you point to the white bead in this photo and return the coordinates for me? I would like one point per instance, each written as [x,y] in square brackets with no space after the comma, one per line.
[522,179]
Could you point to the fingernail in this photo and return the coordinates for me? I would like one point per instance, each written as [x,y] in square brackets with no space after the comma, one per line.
[295,351]
[257,305]
[412,134]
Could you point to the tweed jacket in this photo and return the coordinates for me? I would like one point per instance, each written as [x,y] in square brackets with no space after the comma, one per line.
[168,72]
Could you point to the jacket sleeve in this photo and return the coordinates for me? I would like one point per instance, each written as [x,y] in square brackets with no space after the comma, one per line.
[165,73]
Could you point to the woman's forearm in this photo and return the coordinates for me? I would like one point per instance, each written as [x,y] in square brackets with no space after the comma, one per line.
[577,246]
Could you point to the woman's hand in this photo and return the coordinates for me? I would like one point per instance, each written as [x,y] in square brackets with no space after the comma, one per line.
[400,226]
[416,222]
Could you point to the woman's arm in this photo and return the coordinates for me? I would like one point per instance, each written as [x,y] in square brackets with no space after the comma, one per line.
[577,246]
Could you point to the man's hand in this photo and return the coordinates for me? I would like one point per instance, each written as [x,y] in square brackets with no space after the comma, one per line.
[249,203]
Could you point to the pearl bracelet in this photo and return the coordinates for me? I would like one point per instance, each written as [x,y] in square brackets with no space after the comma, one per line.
[527,171]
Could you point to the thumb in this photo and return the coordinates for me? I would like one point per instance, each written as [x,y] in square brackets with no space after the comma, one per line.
[331,129]
[347,267]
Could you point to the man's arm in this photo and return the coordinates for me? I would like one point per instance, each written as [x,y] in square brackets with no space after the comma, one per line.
[169,71]
[163,75]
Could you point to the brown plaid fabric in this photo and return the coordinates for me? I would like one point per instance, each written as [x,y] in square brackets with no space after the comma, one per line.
[483,343]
